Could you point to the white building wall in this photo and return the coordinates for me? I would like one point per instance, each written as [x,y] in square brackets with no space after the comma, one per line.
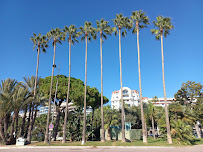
[130,97]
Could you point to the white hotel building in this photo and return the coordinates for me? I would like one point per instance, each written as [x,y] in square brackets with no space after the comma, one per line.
[132,98]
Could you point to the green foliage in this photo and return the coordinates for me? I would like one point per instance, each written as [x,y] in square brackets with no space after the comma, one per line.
[88,31]
[56,35]
[164,25]
[139,18]
[188,92]
[40,41]
[71,34]
[76,91]
[181,132]
[121,22]
[103,28]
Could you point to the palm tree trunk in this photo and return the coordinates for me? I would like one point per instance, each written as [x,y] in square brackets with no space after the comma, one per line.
[144,131]
[84,117]
[109,134]
[102,109]
[6,121]
[30,126]
[23,122]
[153,128]
[2,135]
[165,101]
[16,127]
[28,122]
[12,129]
[121,82]
[35,87]
[67,99]
[57,124]
[48,114]
[197,130]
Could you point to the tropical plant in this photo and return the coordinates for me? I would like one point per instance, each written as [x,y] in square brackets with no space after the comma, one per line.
[103,29]
[88,33]
[140,21]
[122,23]
[72,34]
[41,42]
[111,117]
[164,25]
[182,133]
[55,35]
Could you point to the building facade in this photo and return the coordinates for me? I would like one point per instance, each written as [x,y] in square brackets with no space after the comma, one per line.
[130,97]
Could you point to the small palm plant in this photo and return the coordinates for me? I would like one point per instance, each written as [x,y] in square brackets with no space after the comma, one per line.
[88,33]
[103,29]
[41,42]
[55,35]
[121,23]
[140,21]
[164,26]
[72,34]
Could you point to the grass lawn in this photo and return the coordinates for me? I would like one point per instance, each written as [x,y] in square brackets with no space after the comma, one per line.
[151,142]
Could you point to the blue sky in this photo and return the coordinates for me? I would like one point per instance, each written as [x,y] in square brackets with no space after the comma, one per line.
[183,49]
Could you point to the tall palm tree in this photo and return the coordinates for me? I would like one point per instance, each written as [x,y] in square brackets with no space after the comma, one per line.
[29,83]
[104,29]
[41,42]
[140,21]
[55,35]
[72,34]
[164,26]
[121,23]
[88,33]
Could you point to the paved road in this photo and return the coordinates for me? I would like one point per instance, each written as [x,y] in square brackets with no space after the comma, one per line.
[107,149]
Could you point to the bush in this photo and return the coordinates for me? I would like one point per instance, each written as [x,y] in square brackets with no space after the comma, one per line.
[181,133]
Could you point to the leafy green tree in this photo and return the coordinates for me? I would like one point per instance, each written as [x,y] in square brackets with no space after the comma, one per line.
[181,132]
[104,29]
[164,25]
[55,35]
[188,92]
[72,34]
[151,109]
[111,117]
[88,33]
[7,90]
[122,23]
[175,108]
[140,20]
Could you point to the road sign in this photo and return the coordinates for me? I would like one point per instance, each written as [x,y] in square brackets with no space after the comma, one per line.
[51,126]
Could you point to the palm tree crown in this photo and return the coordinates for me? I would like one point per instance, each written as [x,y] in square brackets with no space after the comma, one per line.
[122,22]
[164,25]
[40,41]
[71,32]
[55,35]
[103,28]
[88,31]
[140,20]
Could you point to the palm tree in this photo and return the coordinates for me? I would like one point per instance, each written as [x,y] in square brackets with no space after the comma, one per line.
[55,35]
[121,23]
[140,21]
[88,33]
[7,90]
[103,28]
[164,25]
[29,83]
[41,42]
[72,33]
